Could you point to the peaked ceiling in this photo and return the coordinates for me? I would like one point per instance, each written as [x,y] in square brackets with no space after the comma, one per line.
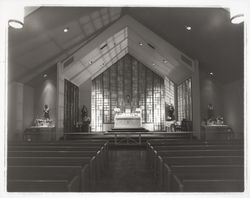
[126,35]
[217,44]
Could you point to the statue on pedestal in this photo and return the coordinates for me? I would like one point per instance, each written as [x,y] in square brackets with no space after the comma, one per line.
[128,104]
[46,112]
[85,119]
[210,111]
[170,111]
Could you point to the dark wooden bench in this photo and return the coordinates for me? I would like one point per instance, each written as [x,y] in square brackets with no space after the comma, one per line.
[59,147]
[162,153]
[199,160]
[100,160]
[158,142]
[208,152]
[54,147]
[97,162]
[92,154]
[208,185]
[75,142]
[180,148]
[202,172]
[59,161]
[199,147]
[46,178]
[154,156]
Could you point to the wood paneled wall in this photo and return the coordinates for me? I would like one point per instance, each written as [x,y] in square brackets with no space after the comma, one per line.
[128,77]
[71,106]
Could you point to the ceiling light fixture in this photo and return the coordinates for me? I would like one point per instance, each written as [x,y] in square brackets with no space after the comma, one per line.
[236,15]
[153,64]
[211,73]
[15,24]
[188,28]
[140,43]
[65,30]
[16,17]
[237,19]
[45,75]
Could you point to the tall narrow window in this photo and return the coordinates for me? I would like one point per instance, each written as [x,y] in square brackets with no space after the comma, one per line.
[169,91]
[184,93]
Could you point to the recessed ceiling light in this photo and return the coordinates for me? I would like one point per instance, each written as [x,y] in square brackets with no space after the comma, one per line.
[65,30]
[45,75]
[211,73]
[140,43]
[188,27]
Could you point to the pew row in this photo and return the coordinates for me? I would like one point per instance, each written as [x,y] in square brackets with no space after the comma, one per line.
[92,158]
[166,160]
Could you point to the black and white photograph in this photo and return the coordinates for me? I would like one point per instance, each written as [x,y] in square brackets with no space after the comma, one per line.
[132,98]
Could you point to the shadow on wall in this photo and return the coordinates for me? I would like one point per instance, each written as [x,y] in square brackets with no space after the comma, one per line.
[210,93]
[234,106]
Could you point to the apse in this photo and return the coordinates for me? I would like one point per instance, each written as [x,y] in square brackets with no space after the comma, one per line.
[128,84]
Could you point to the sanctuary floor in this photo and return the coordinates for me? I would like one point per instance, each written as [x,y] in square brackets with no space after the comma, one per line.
[127,172]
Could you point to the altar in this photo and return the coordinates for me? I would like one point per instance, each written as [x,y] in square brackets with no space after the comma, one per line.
[127,120]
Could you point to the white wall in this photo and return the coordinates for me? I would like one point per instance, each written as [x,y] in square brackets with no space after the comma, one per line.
[15,111]
[28,106]
[20,109]
[85,95]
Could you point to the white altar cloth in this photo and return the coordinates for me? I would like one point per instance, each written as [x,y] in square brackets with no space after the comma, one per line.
[127,121]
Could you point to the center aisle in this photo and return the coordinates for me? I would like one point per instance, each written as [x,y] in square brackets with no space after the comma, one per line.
[127,172]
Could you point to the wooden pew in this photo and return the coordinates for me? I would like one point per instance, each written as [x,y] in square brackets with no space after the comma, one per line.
[216,179]
[158,142]
[65,147]
[96,165]
[159,156]
[199,147]
[201,171]
[61,154]
[46,178]
[200,160]
[208,152]
[214,185]
[54,147]
[155,162]
[91,173]
[173,148]
[59,185]
[89,141]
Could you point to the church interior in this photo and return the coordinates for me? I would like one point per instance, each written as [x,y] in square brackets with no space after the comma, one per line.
[125,99]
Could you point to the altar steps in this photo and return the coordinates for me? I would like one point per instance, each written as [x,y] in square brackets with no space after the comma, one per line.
[130,130]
